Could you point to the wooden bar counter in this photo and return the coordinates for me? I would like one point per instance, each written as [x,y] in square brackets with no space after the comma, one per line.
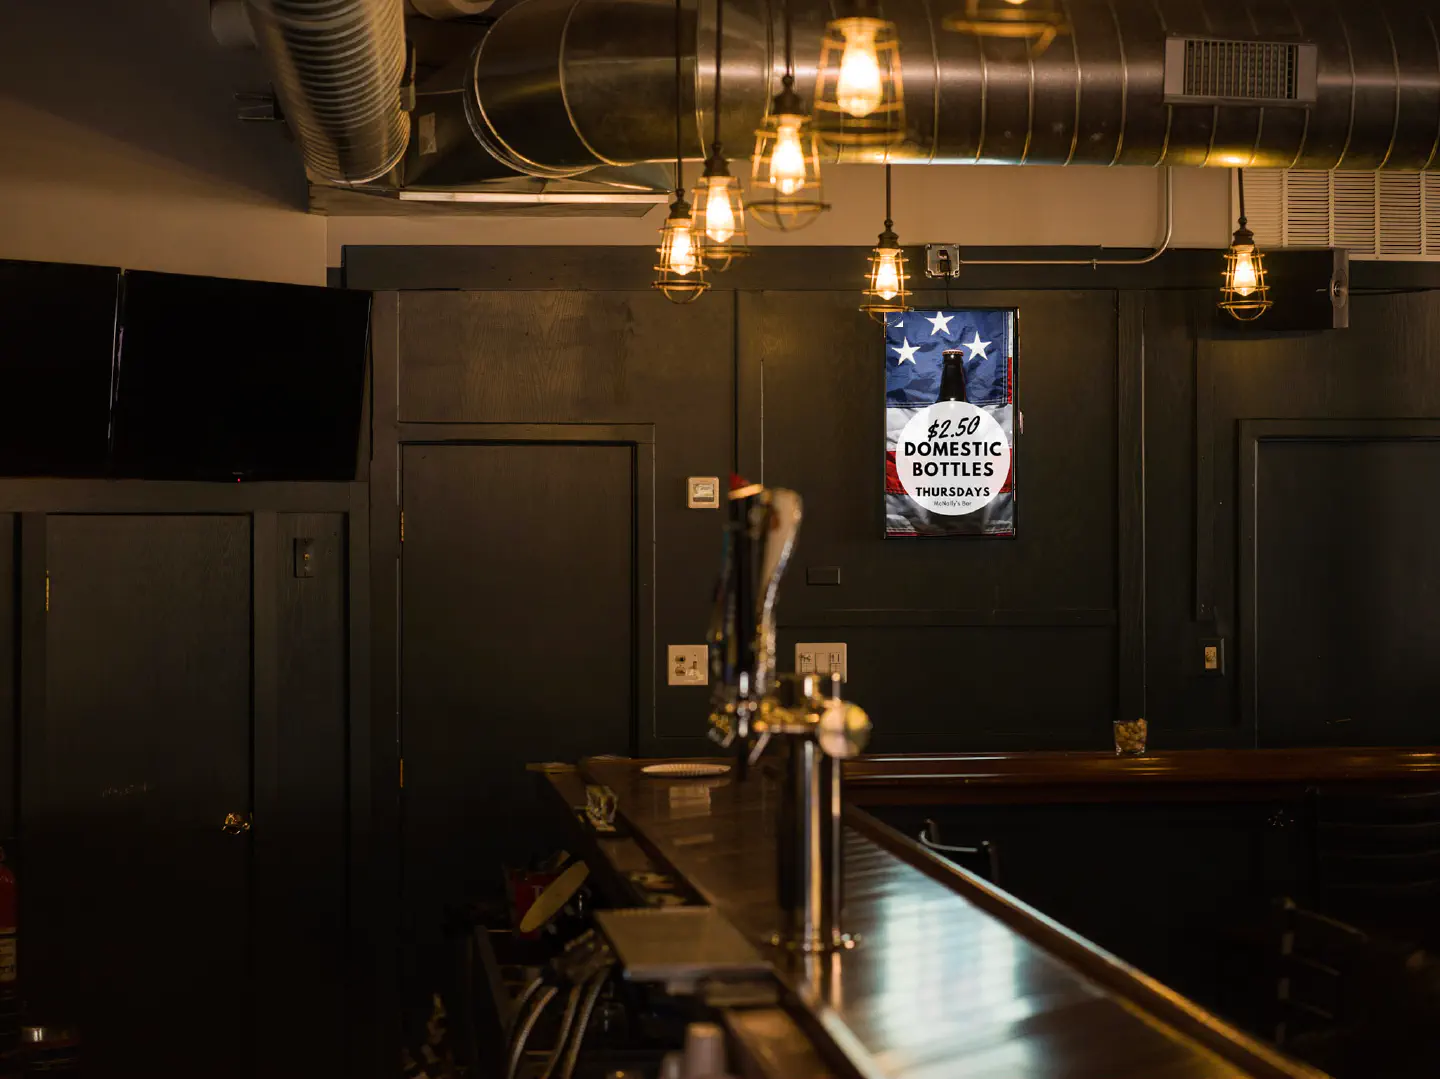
[952,977]
[1205,774]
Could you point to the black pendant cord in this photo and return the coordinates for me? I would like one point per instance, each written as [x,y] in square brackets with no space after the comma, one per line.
[1240,183]
[888,237]
[679,164]
[719,45]
[889,224]
[789,79]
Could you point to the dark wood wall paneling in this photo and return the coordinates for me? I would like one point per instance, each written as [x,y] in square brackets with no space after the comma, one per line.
[1131,393]
[183,670]
[301,855]
[942,635]
[967,622]
[1367,519]
[594,357]
[1185,708]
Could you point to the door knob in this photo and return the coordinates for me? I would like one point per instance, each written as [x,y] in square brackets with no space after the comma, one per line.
[236,823]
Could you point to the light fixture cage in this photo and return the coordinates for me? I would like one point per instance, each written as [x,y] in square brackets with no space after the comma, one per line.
[882,126]
[876,304]
[720,254]
[770,205]
[687,286]
[1255,302]
[1037,22]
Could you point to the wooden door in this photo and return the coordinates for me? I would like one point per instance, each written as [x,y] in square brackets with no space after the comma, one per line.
[518,628]
[136,904]
[1347,575]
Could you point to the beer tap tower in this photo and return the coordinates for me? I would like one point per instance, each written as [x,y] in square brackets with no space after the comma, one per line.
[805,717]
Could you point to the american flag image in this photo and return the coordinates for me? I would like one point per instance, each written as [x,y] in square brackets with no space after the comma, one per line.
[915,343]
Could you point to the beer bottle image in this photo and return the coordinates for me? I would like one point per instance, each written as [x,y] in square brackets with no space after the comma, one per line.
[952,377]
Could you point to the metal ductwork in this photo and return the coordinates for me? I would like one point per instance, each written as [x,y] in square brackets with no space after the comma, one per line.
[560,86]
[450,9]
[338,67]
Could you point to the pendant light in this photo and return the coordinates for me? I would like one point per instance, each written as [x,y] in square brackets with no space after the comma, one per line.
[1246,293]
[1036,22]
[680,273]
[719,204]
[785,171]
[859,93]
[886,293]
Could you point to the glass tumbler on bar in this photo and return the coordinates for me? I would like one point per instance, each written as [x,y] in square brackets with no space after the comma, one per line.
[1130,737]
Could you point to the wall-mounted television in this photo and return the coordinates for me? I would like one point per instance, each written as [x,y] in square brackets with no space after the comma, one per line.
[164,376]
[219,379]
[57,331]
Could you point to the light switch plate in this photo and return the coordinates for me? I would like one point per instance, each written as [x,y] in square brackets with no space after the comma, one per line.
[703,492]
[822,659]
[689,665]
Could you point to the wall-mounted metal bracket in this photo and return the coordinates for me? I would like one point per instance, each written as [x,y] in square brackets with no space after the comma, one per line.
[1340,289]
[942,260]
[258,106]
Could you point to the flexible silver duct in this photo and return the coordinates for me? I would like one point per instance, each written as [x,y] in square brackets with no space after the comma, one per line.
[338,66]
[450,9]
[559,86]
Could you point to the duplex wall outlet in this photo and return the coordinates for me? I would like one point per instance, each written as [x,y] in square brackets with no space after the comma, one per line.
[689,665]
[1212,656]
[702,492]
[821,659]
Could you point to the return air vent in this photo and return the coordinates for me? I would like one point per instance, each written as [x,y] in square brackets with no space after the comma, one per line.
[1205,71]
[1375,216]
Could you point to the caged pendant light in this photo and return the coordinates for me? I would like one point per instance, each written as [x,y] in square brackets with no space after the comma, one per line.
[859,92]
[680,272]
[1246,293]
[1036,22]
[886,293]
[785,171]
[719,204]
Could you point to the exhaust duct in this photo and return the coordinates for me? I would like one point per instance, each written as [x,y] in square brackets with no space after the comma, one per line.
[338,67]
[558,87]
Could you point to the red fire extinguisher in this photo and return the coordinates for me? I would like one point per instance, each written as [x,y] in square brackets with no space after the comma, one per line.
[7,929]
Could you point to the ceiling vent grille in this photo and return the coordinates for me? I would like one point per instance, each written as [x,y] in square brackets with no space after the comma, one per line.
[1373,215]
[1207,71]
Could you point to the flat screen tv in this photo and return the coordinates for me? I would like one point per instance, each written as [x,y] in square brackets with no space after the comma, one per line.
[237,380]
[57,331]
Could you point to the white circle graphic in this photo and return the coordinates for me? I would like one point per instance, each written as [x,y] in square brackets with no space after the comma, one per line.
[953,458]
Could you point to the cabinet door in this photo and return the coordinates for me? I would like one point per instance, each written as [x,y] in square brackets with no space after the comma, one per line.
[136,903]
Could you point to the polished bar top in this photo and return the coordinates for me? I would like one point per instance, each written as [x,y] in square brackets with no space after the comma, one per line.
[952,977]
[1050,776]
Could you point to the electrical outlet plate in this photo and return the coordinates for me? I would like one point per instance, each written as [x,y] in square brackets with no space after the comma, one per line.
[1212,657]
[702,492]
[689,665]
[822,659]
[942,260]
